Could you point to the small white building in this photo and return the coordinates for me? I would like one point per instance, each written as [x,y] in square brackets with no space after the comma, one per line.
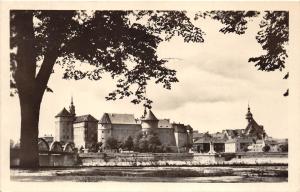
[239,144]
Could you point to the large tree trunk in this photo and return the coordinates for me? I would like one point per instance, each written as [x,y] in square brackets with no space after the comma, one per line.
[30,108]
[31,86]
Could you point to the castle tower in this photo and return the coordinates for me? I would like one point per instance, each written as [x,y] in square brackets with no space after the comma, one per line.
[64,126]
[72,108]
[149,122]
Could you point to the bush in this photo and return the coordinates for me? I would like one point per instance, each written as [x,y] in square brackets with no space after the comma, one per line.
[111,143]
[266,148]
[284,148]
[128,144]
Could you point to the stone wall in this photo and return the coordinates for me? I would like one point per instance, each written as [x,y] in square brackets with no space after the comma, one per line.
[122,132]
[48,159]
[166,136]
[179,159]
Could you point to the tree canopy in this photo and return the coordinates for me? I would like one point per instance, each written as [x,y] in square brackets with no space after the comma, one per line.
[106,40]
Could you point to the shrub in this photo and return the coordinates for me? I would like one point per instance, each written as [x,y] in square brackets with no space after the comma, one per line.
[266,148]
[111,143]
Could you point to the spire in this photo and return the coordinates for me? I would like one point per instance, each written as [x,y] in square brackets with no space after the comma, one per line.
[72,107]
[249,114]
[145,112]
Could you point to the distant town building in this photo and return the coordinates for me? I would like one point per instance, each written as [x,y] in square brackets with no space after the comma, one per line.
[252,138]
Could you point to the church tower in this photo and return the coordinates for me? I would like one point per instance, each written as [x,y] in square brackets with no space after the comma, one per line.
[253,129]
[249,115]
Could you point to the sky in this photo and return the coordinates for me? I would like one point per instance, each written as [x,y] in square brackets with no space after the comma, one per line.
[216,83]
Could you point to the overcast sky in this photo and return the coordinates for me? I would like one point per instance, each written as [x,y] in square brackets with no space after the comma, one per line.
[215,84]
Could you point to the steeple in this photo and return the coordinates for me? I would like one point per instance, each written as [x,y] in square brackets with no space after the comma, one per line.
[145,113]
[249,116]
[72,107]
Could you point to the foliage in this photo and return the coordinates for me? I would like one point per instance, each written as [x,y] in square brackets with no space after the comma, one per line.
[234,21]
[105,40]
[95,147]
[111,143]
[129,143]
[266,148]
[284,147]
[148,142]
[273,37]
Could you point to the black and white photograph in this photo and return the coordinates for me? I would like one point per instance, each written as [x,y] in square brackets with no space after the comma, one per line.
[146,94]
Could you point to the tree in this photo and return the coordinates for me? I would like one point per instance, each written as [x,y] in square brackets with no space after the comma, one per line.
[129,143]
[284,147]
[95,147]
[266,148]
[112,143]
[106,40]
[153,141]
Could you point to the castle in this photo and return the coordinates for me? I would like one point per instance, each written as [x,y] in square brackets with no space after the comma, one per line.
[85,130]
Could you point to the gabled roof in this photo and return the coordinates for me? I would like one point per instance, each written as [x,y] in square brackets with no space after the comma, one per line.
[149,116]
[253,129]
[232,133]
[63,113]
[115,118]
[84,118]
[240,140]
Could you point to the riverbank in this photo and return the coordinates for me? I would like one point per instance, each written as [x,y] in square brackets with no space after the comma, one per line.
[156,174]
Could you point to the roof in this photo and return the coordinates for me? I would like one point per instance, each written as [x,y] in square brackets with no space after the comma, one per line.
[203,140]
[240,140]
[178,127]
[115,118]
[254,129]
[149,116]
[63,113]
[234,132]
[188,127]
[164,123]
[84,118]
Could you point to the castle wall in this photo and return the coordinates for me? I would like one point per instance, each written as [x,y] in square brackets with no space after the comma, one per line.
[166,136]
[92,133]
[64,129]
[85,134]
[79,135]
[104,132]
[181,139]
[122,132]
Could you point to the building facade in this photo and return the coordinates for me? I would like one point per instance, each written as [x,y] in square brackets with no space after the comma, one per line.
[232,140]
[85,130]
[121,126]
